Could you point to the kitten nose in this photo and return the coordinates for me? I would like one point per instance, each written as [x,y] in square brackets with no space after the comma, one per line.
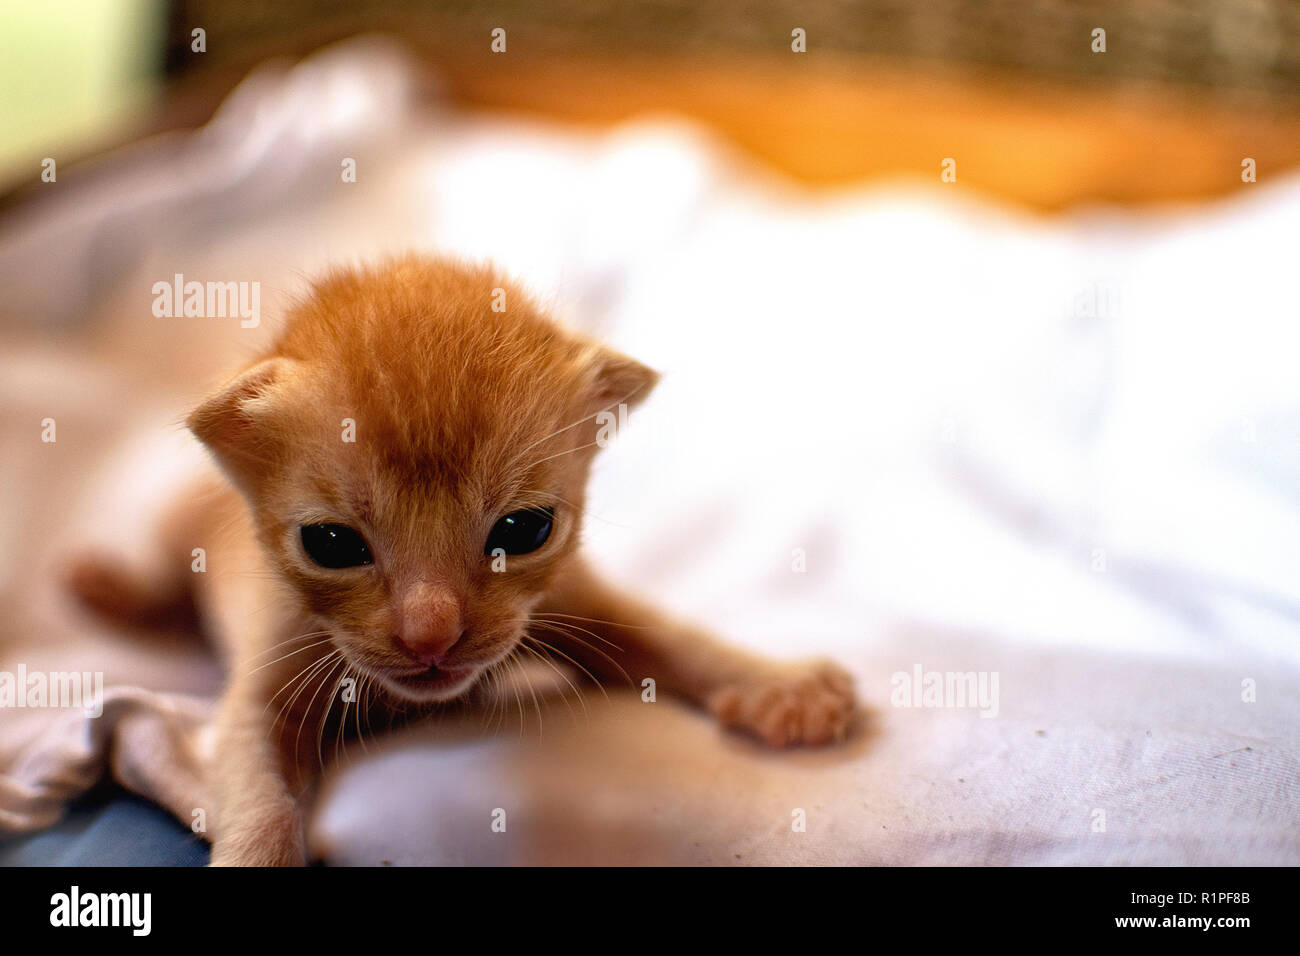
[430,624]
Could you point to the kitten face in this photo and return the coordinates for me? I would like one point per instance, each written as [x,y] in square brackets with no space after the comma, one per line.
[416,464]
[426,596]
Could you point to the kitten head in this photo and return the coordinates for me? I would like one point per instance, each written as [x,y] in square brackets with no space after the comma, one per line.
[415,452]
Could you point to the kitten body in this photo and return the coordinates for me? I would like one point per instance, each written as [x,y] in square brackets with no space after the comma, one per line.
[399,428]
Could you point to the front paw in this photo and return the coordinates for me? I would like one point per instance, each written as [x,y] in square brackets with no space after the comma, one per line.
[265,847]
[809,703]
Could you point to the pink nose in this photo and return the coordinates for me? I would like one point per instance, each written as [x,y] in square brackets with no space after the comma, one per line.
[430,624]
[429,649]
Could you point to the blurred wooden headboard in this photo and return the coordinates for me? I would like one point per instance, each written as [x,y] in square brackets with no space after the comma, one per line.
[1013,91]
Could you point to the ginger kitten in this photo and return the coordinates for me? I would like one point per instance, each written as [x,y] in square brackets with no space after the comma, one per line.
[404,479]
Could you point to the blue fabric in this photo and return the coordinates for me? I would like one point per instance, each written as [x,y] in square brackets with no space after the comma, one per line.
[111,827]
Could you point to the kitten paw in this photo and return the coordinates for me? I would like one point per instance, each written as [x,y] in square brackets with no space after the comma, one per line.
[809,703]
[105,587]
[95,582]
[269,848]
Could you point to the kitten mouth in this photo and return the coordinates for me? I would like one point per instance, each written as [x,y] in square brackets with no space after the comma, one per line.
[431,680]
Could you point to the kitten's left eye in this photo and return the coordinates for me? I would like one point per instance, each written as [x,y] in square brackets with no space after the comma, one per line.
[335,546]
[521,531]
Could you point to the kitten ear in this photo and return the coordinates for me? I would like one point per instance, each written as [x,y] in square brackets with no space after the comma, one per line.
[620,380]
[231,422]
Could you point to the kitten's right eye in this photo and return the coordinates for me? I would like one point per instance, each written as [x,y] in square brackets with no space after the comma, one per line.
[335,546]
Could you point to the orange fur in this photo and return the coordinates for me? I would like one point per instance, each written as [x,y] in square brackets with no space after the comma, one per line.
[461,414]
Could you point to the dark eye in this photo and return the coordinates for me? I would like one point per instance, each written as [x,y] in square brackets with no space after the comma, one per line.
[335,546]
[521,531]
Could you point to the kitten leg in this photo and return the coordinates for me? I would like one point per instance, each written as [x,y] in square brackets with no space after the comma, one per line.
[258,787]
[808,702]
[148,582]
[124,595]
[259,819]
